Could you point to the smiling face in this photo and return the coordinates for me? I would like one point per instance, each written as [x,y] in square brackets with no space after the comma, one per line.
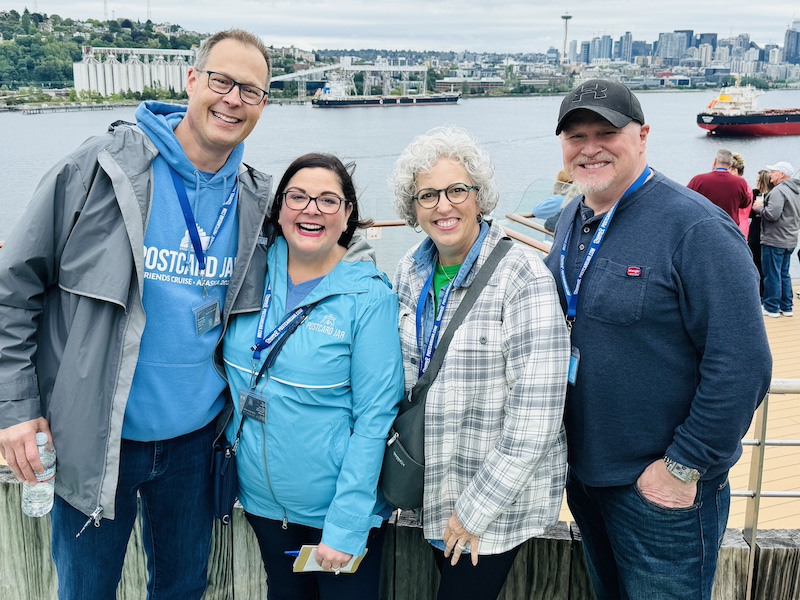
[602,159]
[452,227]
[216,123]
[313,236]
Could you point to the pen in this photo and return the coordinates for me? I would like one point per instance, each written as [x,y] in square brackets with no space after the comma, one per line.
[294,553]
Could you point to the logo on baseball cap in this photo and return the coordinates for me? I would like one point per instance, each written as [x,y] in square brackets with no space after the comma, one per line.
[609,99]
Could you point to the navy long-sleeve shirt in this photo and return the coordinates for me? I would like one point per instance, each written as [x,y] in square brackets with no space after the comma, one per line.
[674,354]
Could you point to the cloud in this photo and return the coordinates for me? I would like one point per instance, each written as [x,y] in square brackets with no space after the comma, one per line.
[475,25]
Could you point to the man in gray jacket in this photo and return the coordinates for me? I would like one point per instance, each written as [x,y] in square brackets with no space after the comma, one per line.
[780,223]
[115,290]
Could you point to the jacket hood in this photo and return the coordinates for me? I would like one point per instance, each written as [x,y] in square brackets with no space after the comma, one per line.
[350,275]
[359,250]
[158,120]
[792,184]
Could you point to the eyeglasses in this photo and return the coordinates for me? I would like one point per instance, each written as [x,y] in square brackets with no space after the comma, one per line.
[222,84]
[326,203]
[456,193]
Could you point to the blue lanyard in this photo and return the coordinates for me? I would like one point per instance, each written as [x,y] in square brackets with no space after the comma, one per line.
[290,322]
[191,223]
[437,324]
[572,296]
[261,342]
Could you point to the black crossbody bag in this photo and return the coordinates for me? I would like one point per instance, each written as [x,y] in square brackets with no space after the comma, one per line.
[224,474]
[403,471]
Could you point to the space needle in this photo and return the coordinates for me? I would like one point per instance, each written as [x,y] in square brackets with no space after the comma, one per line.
[564,58]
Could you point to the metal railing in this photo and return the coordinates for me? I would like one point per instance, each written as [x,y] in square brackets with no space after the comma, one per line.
[757,458]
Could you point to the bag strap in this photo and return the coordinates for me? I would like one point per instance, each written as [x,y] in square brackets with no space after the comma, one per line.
[473,291]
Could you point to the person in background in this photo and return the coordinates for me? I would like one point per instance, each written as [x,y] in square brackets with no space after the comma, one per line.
[494,439]
[763,186]
[737,168]
[723,188]
[131,402]
[780,224]
[312,426]
[662,298]
[552,205]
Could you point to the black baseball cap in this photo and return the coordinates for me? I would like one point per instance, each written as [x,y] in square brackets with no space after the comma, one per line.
[609,99]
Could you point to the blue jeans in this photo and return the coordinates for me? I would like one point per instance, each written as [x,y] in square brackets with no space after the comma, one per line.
[173,480]
[777,283]
[637,550]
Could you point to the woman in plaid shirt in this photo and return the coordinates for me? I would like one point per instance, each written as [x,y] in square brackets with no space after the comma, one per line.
[495,449]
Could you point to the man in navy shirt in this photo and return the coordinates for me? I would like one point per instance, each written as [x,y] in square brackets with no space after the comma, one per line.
[661,296]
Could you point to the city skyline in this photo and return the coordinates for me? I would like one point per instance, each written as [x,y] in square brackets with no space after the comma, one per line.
[511,26]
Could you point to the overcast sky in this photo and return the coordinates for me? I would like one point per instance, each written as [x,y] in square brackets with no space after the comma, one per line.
[474,25]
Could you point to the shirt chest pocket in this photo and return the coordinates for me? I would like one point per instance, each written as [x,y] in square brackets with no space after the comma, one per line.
[616,292]
[475,358]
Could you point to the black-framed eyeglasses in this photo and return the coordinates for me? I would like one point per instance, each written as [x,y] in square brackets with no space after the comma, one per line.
[222,84]
[328,204]
[456,193]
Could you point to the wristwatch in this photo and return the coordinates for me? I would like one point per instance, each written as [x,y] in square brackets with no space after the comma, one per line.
[681,472]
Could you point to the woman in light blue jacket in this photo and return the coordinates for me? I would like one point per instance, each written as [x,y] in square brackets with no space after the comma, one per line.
[313,417]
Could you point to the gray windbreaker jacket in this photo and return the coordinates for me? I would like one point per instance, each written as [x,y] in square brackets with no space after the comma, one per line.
[71,315]
[780,217]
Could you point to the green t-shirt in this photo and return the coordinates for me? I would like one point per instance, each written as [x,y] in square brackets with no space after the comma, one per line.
[442,277]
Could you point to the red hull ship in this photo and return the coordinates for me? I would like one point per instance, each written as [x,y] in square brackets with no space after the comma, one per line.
[735,113]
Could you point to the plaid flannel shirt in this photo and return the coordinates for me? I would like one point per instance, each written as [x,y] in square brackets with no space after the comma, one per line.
[495,447]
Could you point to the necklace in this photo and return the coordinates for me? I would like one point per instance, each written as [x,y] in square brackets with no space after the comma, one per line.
[441,268]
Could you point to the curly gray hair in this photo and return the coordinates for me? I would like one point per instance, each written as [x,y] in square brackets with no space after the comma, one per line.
[423,153]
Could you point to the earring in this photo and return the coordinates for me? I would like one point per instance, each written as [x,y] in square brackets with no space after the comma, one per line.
[480,218]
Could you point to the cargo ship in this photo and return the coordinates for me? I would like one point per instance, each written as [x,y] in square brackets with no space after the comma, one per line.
[735,112]
[334,96]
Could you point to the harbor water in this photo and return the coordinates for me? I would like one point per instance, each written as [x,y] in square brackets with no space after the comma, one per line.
[519,133]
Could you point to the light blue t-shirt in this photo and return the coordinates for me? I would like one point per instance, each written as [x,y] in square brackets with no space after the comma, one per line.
[176,388]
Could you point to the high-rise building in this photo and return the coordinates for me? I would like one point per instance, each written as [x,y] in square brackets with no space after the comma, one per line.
[585,53]
[707,38]
[606,47]
[705,53]
[689,33]
[671,47]
[791,46]
[626,47]
[573,51]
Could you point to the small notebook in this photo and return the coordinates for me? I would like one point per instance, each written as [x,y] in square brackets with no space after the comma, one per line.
[306,562]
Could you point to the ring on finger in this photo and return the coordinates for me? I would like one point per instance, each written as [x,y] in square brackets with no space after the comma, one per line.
[460,547]
[336,571]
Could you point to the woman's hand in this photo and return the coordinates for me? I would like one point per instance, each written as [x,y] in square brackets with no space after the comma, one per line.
[458,540]
[330,559]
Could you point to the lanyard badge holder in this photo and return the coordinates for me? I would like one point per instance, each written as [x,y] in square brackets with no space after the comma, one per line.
[207,313]
[252,403]
[571,294]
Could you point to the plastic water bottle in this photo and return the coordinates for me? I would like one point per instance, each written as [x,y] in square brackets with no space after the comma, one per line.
[37,500]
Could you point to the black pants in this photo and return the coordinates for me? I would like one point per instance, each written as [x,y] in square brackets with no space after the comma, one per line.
[483,582]
[283,584]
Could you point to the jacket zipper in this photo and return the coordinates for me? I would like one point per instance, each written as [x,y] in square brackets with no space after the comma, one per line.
[95,516]
[285,523]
